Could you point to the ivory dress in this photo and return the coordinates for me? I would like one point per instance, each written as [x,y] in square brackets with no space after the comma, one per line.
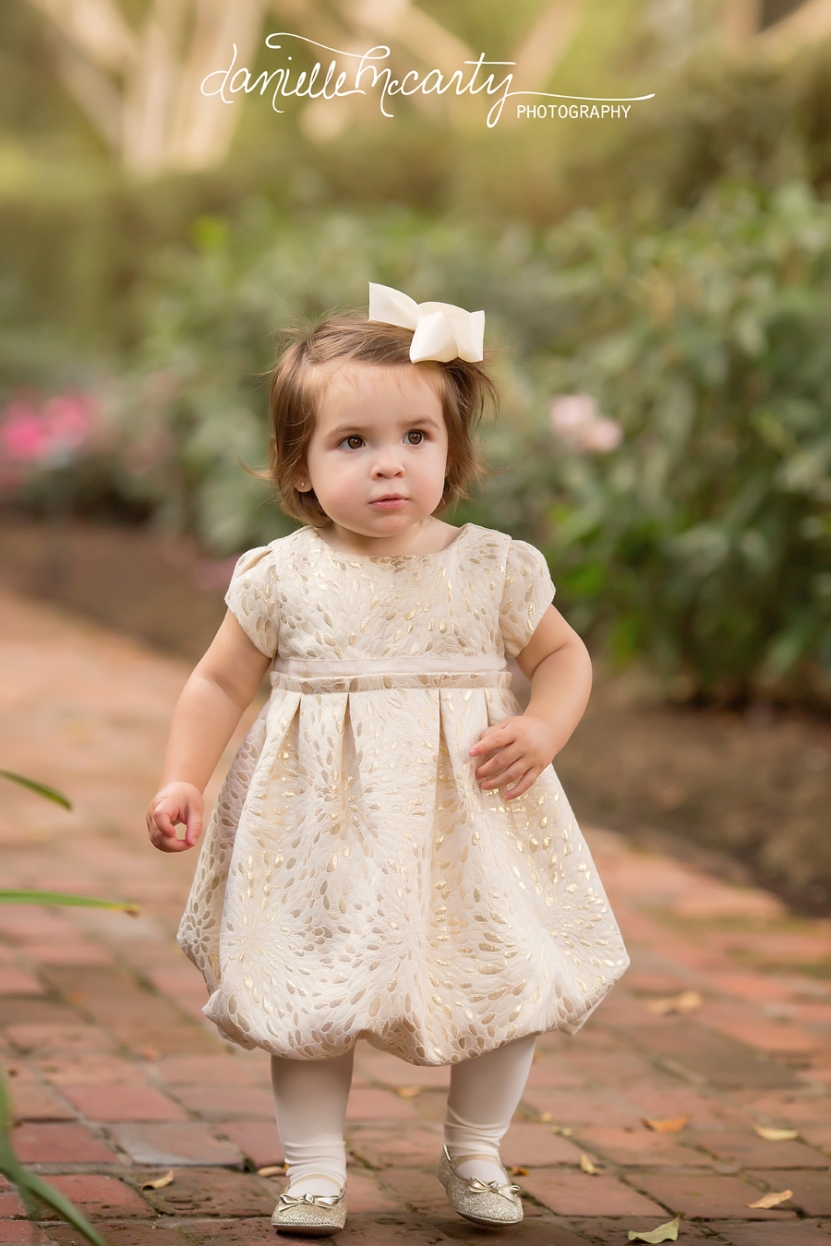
[355,879]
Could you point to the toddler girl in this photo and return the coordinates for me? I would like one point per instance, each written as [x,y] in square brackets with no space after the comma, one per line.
[391,856]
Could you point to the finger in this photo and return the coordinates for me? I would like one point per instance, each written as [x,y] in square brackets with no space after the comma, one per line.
[166,822]
[194,829]
[157,839]
[504,740]
[167,843]
[528,780]
[511,774]
[493,738]
[159,826]
[171,845]
[501,761]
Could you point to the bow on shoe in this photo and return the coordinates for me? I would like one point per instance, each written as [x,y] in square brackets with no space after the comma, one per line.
[313,1200]
[441,331]
[494,1187]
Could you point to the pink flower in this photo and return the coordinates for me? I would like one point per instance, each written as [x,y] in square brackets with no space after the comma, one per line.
[602,436]
[570,412]
[575,419]
[37,432]
[67,420]
[22,433]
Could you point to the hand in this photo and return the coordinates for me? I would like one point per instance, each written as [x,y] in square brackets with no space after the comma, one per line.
[174,804]
[522,746]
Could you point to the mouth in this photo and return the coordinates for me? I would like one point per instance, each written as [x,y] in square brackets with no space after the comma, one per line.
[389,500]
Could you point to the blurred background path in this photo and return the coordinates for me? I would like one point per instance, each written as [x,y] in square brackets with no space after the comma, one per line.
[699,1086]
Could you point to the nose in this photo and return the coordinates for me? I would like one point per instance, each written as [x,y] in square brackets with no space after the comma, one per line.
[387,463]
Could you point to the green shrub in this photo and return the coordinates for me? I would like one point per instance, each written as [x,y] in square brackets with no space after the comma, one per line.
[77,242]
[704,542]
[701,545]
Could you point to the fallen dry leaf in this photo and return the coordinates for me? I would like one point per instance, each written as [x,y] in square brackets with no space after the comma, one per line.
[686,1002]
[272,1170]
[545,1117]
[160,1182]
[518,1171]
[588,1166]
[664,1233]
[407,1092]
[771,1134]
[673,1125]
[772,1200]
[565,1131]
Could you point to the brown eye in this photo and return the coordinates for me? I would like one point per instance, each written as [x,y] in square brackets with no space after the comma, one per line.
[354,437]
[415,432]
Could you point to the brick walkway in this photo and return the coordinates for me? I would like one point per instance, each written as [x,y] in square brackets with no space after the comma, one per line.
[116,1077]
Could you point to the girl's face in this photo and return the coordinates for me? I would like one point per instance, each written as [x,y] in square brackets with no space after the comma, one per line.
[378,454]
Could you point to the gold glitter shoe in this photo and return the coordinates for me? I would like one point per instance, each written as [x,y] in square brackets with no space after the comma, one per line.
[310,1215]
[483,1202]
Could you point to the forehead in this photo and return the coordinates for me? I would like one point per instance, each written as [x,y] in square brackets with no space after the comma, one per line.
[373,390]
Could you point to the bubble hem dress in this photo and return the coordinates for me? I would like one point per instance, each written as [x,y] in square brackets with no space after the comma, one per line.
[355,880]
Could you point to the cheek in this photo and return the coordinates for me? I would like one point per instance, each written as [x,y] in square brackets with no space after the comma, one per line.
[339,480]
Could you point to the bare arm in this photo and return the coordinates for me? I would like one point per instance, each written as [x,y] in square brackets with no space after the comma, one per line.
[558,665]
[221,687]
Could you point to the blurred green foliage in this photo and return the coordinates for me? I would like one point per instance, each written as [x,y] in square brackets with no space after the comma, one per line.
[703,542]
[78,245]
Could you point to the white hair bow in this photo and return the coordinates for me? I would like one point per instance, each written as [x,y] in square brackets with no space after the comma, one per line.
[442,330]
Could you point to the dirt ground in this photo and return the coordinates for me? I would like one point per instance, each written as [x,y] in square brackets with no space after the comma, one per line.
[746,794]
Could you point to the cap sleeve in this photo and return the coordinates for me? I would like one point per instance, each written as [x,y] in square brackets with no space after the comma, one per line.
[526,595]
[251,598]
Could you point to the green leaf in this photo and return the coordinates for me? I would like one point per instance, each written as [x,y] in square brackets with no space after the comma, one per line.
[5,1114]
[57,897]
[788,648]
[30,1186]
[42,790]
[28,1183]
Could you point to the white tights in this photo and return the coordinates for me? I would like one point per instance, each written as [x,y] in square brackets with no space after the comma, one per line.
[310,1100]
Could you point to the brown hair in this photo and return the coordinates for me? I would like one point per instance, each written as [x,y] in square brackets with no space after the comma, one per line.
[464,389]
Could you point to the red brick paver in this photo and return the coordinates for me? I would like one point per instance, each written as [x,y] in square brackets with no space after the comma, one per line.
[97,1195]
[116,1076]
[59,1144]
[122,1103]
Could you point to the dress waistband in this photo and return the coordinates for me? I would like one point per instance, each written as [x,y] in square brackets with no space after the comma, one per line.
[370,674]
